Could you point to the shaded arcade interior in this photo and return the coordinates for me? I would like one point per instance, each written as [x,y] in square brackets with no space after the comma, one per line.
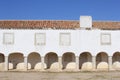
[68,61]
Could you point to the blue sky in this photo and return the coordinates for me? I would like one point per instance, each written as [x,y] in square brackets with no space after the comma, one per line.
[59,9]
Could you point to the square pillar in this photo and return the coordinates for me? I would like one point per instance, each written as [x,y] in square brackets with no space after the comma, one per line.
[42,63]
[60,62]
[110,62]
[94,62]
[6,63]
[77,62]
[25,62]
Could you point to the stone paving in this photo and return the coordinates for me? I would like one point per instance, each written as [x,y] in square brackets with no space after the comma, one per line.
[34,75]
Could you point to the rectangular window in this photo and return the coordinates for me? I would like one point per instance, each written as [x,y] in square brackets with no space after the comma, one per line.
[8,38]
[65,39]
[105,38]
[40,38]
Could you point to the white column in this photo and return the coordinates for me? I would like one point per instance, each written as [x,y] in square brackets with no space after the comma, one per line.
[110,62]
[60,62]
[77,62]
[6,63]
[42,61]
[94,62]
[25,62]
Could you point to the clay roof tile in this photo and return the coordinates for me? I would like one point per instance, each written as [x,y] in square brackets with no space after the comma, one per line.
[55,24]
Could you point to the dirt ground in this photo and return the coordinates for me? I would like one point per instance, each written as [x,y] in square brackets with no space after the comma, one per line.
[30,75]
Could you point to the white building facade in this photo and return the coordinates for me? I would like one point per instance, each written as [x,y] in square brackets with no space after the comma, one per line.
[86,47]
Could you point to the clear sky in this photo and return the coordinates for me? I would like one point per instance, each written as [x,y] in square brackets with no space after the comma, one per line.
[59,9]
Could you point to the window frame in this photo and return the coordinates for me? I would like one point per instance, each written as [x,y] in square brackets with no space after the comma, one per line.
[60,41]
[106,43]
[4,40]
[35,40]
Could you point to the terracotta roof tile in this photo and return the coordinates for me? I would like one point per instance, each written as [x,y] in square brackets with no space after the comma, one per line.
[62,24]
[106,25]
[39,24]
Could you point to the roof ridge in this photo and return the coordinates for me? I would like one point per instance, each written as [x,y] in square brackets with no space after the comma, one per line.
[39,20]
[104,21]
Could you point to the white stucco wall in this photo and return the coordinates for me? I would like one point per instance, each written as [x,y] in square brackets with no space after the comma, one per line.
[81,41]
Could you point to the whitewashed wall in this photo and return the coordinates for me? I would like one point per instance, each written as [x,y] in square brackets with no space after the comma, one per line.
[81,41]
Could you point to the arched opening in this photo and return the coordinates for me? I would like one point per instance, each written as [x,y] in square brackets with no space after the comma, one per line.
[51,60]
[16,61]
[102,61]
[85,61]
[2,60]
[116,60]
[68,60]
[34,61]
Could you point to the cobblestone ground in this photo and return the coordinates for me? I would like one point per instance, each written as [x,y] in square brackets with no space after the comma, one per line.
[59,75]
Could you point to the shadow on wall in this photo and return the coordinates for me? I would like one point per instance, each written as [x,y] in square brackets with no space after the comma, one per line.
[85,61]
[68,61]
[116,61]
[102,61]
[16,61]
[34,61]
[51,60]
[2,61]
